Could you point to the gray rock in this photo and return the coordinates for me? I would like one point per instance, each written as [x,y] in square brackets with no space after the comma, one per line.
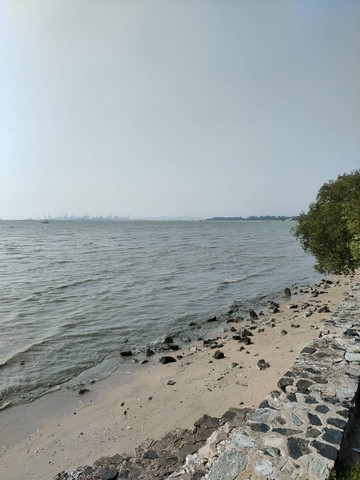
[253,314]
[218,355]
[325,450]
[297,447]
[167,359]
[228,466]
[314,419]
[333,436]
[262,365]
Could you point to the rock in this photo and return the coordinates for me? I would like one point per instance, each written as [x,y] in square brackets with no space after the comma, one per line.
[149,352]
[126,353]
[325,450]
[312,432]
[259,427]
[218,355]
[292,306]
[332,435]
[287,432]
[213,319]
[273,309]
[303,385]
[314,419]
[108,473]
[193,324]
[83,390]
[352,357]
[322,408]
[283,332]
[171,382]
[307,313]
[253,314]
[285,382]
[168,339]
[245,340]
[152,454]
[337,422]
[324,309]
[297,447]
[262,365]
[314,293]
[228,465]
[287,292]
[167,359]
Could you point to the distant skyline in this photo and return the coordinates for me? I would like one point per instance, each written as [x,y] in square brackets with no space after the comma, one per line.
[148,108]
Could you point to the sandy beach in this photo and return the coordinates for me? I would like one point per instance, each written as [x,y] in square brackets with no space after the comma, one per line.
[118,415]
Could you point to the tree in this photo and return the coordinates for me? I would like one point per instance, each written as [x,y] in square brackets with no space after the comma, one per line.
[330,230]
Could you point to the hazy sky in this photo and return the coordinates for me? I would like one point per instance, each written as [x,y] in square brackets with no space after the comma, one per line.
[175,107]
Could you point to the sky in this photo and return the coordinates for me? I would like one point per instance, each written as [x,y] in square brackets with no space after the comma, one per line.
[175,107]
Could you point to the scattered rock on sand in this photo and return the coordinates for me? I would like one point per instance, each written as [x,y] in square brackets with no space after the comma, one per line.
[126,353]
[167,359]
[253,314]
[287,292]
[218,355]
[261,364]
[83,390]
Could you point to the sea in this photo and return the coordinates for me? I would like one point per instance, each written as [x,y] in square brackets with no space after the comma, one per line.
[74,294]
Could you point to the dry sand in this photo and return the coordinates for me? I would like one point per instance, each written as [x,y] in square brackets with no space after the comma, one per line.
[121,416]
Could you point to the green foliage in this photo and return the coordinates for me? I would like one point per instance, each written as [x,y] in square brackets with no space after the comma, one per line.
[330,230]
[353,473]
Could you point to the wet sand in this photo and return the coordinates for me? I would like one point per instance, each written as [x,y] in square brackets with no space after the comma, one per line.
[65,430]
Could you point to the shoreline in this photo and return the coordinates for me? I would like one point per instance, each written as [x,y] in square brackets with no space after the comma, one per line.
[97,424]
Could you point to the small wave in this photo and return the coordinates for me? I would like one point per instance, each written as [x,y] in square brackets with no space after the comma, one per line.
[226,281]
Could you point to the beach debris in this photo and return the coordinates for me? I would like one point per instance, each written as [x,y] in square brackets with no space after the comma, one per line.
[287,292]
[218,355]
[167,359]
[262,364]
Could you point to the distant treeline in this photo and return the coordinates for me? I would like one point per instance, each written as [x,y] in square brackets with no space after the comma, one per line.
[281,218]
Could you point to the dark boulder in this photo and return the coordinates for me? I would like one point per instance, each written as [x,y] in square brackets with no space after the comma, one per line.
[262,365]
[253,314]
[218,355]
[167,359]
[126,353]
[287,292]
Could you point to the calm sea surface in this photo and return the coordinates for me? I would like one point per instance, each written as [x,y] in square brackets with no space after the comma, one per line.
[72,292]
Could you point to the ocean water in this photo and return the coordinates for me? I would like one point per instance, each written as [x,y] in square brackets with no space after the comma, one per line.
[73,293]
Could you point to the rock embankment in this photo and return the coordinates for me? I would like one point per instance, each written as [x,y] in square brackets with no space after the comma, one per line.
[300,429]
[297,432]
